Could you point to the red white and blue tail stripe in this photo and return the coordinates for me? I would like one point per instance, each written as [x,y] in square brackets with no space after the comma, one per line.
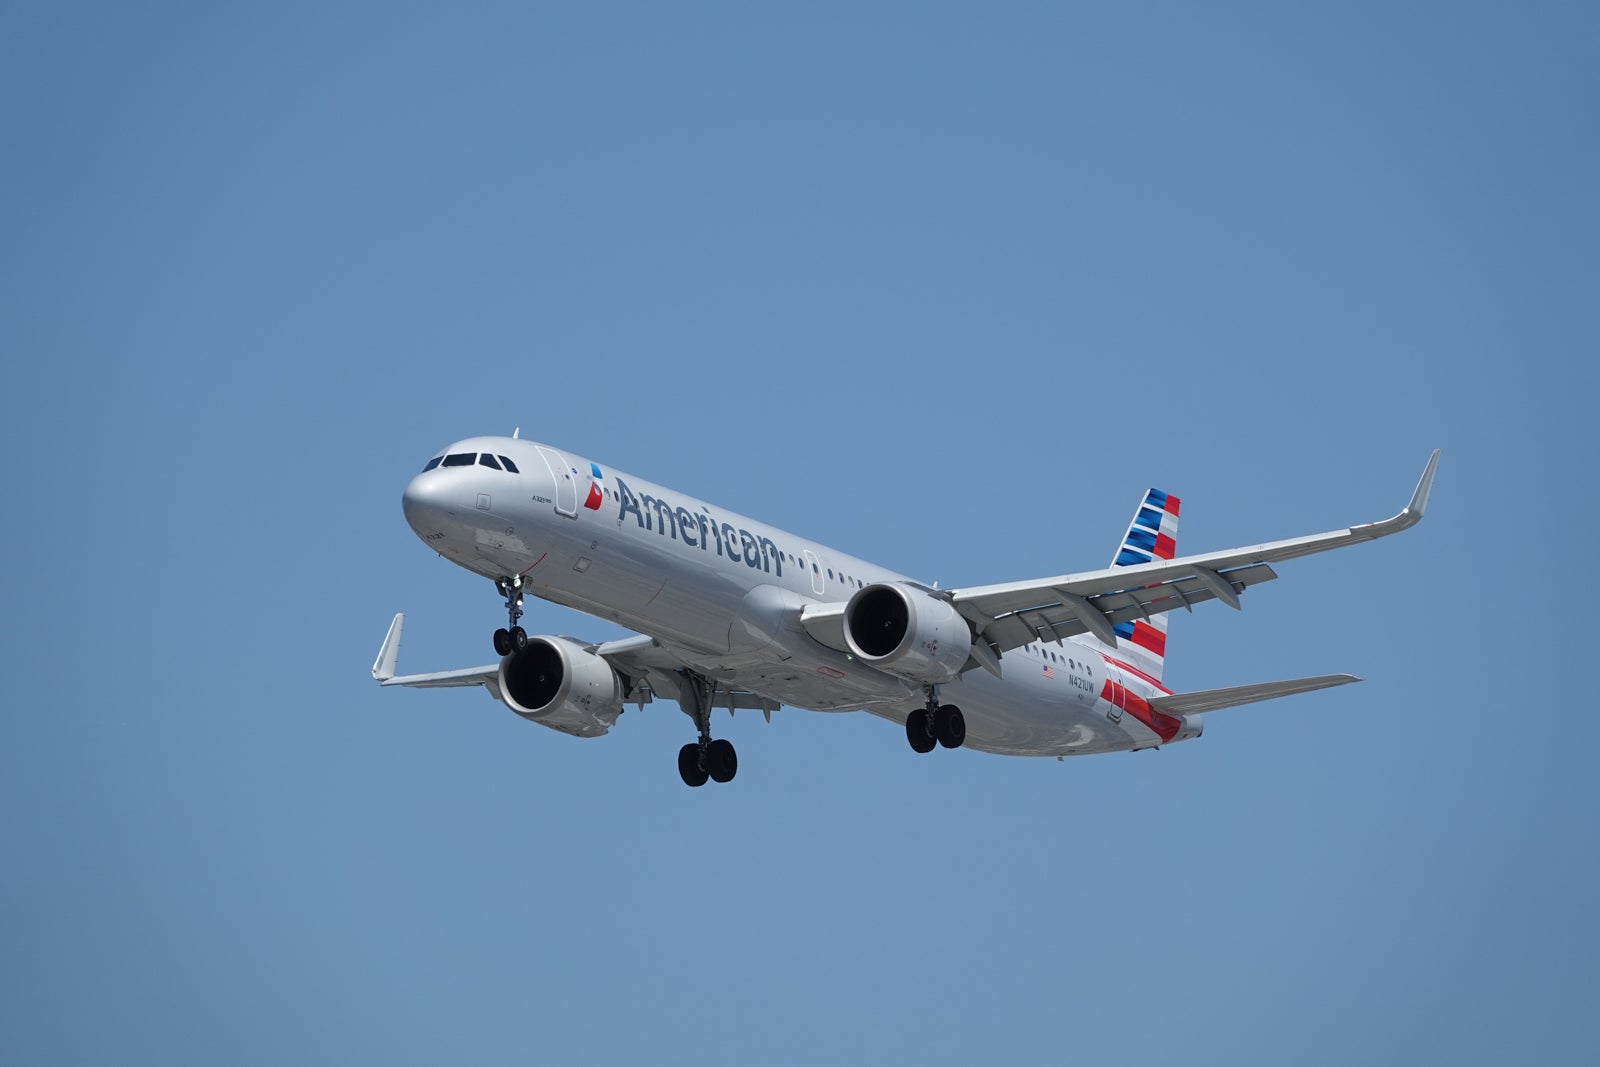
[1152,535]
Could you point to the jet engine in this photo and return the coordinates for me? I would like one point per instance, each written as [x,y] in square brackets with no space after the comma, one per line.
[906,632]
[559,684]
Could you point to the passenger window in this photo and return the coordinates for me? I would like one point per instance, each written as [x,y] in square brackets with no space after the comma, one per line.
[487,460]
[432,463]
[460,459]
[508,465]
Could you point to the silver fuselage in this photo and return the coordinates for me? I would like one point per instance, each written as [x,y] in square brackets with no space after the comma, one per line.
[724,592]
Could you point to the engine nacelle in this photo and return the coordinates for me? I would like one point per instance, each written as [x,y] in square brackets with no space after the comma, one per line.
[907,632]
[558,684]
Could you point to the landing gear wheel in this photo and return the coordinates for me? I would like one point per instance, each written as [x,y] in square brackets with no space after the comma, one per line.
[722,762]
[917,732]
[950,726]
[689,768]
[511,637]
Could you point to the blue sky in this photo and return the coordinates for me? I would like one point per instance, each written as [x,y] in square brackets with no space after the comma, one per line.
[943,285]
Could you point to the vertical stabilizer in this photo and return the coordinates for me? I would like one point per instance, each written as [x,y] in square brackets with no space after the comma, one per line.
[1153,534]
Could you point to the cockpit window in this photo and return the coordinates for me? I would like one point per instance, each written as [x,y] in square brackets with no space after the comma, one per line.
[510,466]
[460,459]
[432,463]
[487,460]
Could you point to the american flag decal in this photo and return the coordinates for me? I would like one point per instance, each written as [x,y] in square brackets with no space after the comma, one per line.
[1049,671]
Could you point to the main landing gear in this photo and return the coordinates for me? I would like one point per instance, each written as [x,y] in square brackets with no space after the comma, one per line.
[511,637]
[706,758]
[936,724]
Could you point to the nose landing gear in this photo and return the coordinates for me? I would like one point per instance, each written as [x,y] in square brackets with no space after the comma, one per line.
[511,637]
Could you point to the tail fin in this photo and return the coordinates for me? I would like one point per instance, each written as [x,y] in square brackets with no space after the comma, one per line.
[1153,534]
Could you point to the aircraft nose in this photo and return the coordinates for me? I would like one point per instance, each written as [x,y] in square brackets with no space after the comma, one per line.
[426,504]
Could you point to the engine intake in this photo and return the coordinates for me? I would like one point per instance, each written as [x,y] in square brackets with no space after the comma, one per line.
[908,633]
[559,684]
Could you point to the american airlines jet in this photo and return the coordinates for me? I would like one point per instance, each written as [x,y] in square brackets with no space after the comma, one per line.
[733,613]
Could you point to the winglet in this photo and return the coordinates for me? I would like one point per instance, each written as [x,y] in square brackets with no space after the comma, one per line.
[383,667]
[1413,511]
[1419,499]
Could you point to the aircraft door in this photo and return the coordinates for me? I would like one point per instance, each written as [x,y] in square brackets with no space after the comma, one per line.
[566,482]
[814,568]
[1115,677]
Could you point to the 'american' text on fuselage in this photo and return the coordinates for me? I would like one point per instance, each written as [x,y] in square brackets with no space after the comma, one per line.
[699,530]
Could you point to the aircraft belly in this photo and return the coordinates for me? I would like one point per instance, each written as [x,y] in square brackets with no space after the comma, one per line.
[1027,714]
[1070,735]
[812,679]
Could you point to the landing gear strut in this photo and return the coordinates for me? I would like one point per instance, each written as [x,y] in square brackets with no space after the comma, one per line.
[707,758]
[936,724]
[511,637]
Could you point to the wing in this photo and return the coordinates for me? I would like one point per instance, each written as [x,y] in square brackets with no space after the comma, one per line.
[646,667]
[1018,613]
[388,662]
[650,669]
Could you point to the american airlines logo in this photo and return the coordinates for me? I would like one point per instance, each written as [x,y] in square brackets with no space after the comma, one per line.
[699,530]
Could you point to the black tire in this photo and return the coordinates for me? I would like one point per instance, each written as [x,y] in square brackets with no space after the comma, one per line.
[722,762]
[950,726]
[519,639]
[502,642]
[917,731]
[689,766]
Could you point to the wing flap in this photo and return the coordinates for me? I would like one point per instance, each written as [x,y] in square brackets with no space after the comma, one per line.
[1062,617]
[1233,696]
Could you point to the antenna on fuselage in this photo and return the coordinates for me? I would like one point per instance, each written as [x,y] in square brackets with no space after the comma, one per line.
[516,433]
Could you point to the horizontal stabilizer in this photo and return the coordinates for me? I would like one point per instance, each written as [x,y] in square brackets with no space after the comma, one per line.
[1233,696]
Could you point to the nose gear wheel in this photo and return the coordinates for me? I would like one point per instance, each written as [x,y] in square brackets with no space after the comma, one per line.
[510,637]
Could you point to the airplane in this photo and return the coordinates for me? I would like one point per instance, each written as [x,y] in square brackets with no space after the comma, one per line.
[730,612]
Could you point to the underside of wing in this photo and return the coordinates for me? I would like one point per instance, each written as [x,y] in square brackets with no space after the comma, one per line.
[388,661]
[1019,613]
[484,676]
[645,668]
[650,669]
[1089,604]
[1233,696]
